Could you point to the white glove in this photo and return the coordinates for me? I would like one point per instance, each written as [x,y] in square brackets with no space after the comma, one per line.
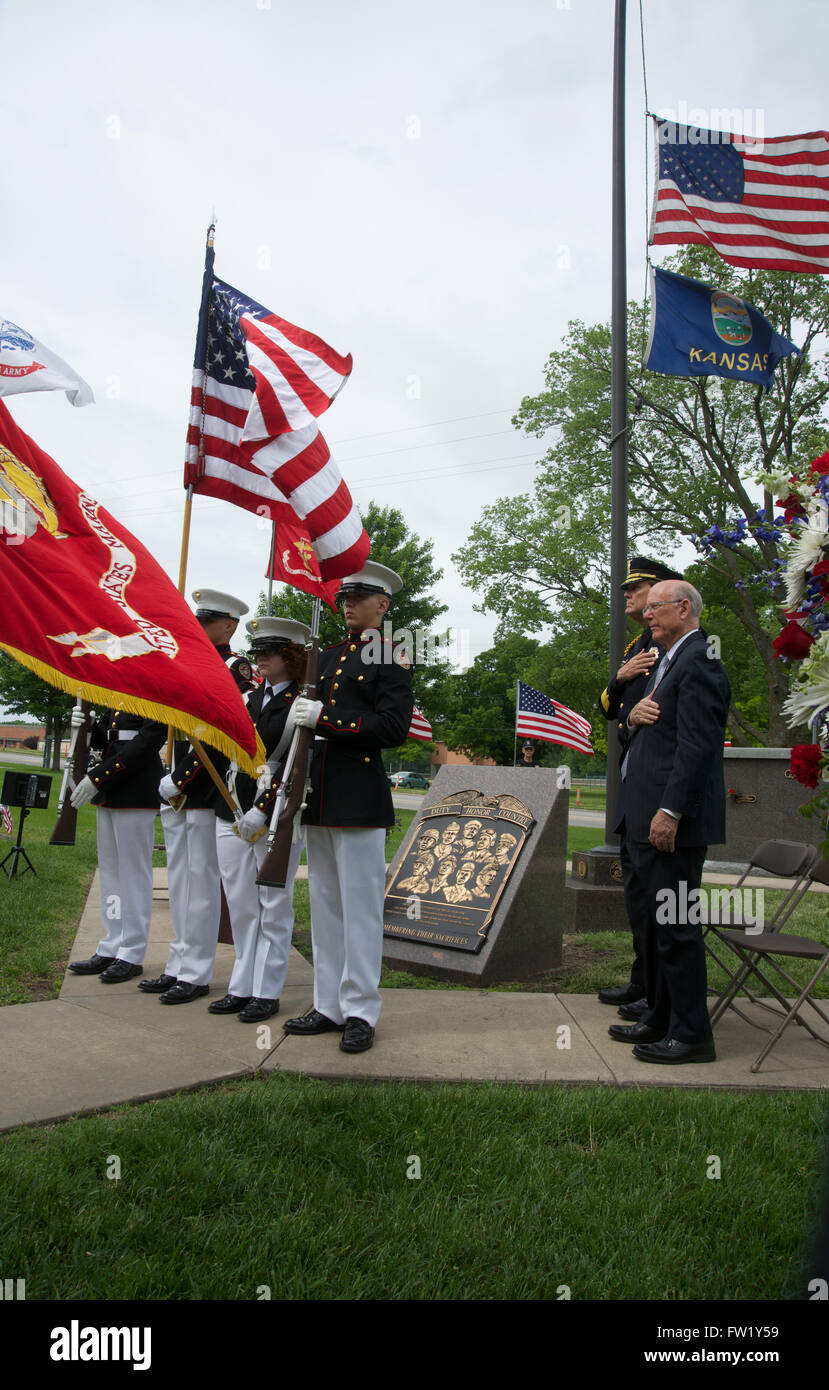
[77,718]
[265,781]
[251,823]
[307,712]
[167,788]
[83,793]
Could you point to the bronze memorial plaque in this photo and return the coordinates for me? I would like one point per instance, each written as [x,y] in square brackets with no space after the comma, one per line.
[455,868]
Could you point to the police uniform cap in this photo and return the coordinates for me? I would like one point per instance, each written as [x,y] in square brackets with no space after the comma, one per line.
[211,604]
[269,634]
[371,579]
[641,570]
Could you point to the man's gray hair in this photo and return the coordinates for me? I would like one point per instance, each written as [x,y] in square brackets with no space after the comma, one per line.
[685,590]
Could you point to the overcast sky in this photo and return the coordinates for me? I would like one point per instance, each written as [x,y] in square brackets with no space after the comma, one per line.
[426,186]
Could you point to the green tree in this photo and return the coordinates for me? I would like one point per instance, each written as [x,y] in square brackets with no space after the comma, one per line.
[695,446]
[414,611]
[22,692]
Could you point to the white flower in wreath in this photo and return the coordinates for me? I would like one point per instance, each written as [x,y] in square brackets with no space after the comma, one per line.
[805,551]
[810,693]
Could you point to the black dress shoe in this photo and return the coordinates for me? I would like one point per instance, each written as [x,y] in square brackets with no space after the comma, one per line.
[257,1010]
[357,1037]
[628,994]
[632,1012]
[158,985]
[119,971]
[314,1022]
[182,993]
[673,1052]
[635,1033]
[231,1004]
[93,966]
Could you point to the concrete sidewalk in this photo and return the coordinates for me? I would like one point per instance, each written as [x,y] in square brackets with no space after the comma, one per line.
[100,1045]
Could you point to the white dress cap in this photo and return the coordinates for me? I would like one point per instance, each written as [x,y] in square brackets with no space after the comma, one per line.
[372,579]
[266,633]
[211,604]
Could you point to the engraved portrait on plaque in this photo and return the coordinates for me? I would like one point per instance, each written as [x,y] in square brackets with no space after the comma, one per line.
[454,870]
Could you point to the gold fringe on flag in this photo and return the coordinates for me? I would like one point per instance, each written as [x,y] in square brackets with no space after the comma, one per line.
[149,709]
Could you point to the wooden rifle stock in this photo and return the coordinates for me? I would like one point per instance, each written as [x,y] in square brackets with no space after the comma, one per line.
[291,791]
[67,821]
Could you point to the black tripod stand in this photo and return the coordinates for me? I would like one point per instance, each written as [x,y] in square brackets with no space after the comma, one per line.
[18,852]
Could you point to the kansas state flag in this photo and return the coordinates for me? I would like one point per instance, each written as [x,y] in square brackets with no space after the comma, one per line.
[700,331]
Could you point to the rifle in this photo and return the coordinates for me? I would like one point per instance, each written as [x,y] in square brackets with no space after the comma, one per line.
[78,758]
[291,791]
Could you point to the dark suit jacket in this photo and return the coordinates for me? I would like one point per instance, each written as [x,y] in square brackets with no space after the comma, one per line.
[678,761]
[189,772]
[366,693]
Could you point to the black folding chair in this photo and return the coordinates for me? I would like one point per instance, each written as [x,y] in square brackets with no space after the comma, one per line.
[785,859]
[756,948]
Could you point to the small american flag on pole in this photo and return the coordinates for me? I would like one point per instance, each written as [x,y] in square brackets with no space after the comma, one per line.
[759,202]
[6,819]
[538,717]
[420,727]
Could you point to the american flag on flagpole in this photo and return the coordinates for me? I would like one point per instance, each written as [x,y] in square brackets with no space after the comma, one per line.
[758,202]
[286,476]
[6,819]
[539,717]
[420,728]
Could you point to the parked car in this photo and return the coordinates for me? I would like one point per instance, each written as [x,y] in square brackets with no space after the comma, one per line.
[408,779]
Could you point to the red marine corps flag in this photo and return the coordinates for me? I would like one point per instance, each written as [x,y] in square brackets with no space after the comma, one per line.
[88,609]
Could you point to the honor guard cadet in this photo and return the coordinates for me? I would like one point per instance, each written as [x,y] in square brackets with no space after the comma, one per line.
[124,788]
[262,918]
[365,705]
[193,879]
[624,691]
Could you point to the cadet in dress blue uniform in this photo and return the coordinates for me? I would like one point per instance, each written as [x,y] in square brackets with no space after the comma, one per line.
[624,691]
[262,917]
[365,705]
[124,787]
[193,879]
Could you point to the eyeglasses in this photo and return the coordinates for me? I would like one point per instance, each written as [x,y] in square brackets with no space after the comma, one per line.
[652,607]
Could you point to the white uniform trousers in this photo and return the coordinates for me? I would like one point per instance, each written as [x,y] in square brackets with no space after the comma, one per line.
[195,890]
[261,918]
[125,870]
[347,885]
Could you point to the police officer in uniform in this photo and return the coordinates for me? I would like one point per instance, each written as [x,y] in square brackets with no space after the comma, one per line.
[193,879]
[124,788]
[624,691]
[262,917]
[528,758]
[365,705]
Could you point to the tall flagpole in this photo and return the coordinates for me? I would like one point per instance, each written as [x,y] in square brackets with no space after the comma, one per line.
[204,315]
[270,566]
[618,414]
[515,743]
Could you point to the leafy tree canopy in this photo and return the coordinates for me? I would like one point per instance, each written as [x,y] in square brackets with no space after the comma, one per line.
[695,447]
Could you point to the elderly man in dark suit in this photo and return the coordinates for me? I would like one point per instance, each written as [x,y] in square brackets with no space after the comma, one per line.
[671,806]
[624,691]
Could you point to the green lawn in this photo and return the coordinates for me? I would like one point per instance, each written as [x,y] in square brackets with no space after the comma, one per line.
[302,1186]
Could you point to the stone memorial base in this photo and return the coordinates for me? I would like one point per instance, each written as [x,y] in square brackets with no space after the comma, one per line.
[523,937]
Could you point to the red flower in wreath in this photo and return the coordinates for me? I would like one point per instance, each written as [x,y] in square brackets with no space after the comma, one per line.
[821,572]
[821,464]
[804,761]
[794,641]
